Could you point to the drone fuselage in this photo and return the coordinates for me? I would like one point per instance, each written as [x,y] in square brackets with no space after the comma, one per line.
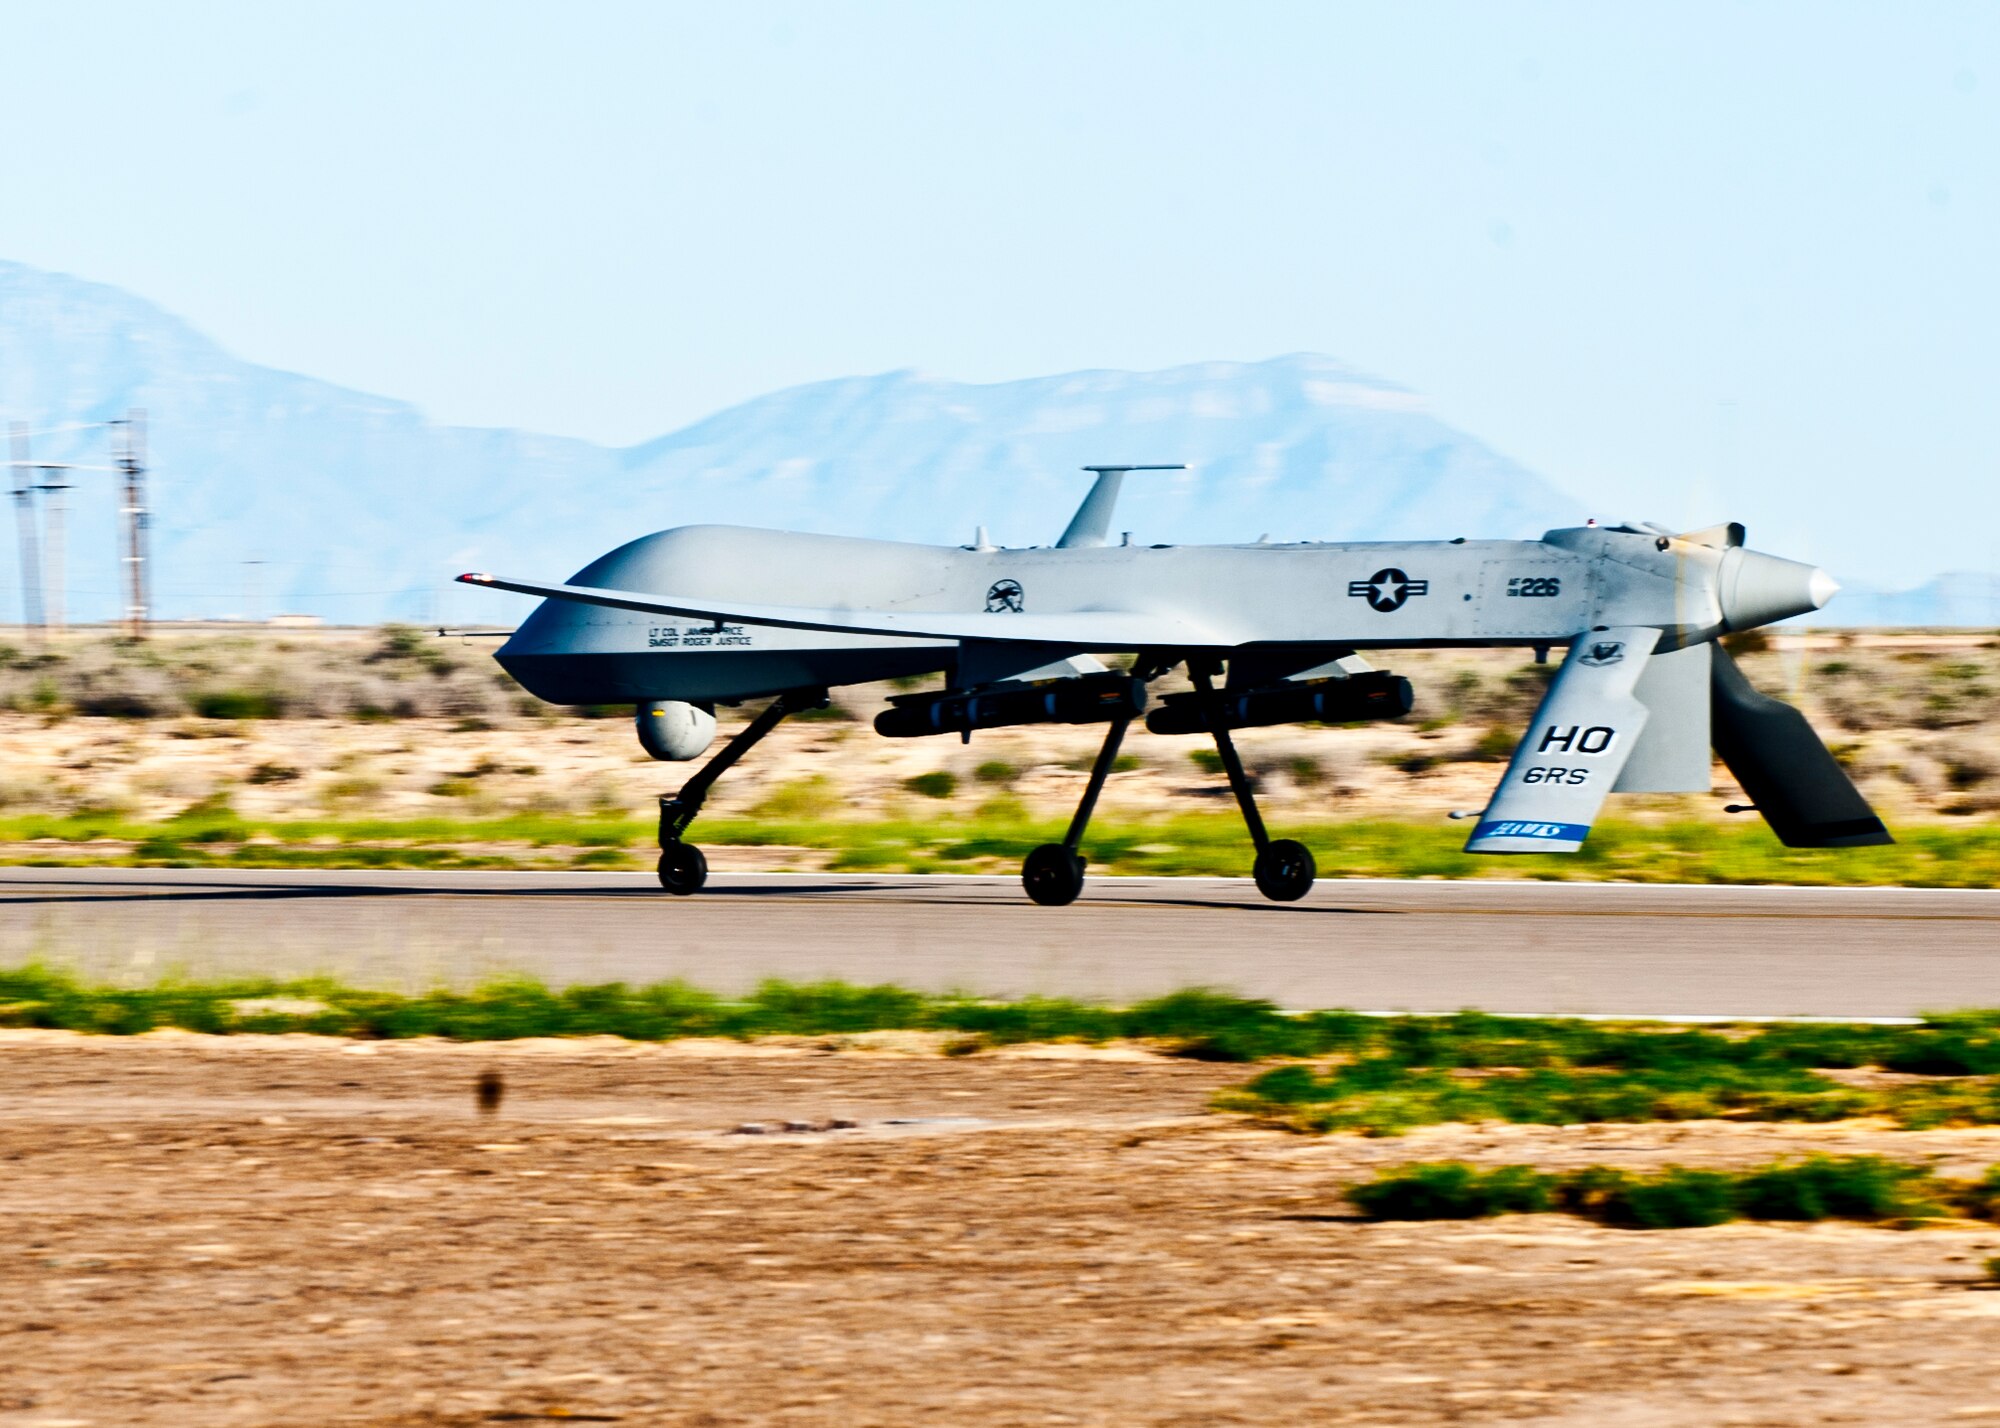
[679,621]
[1331,597]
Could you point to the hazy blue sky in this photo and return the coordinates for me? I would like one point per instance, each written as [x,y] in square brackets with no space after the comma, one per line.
[1688,260]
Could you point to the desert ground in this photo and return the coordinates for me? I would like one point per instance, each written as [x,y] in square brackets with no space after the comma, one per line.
[289,1230]
[397,724]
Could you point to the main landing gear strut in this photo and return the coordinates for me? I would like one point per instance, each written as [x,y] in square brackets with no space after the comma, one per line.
[683,868]
[1053,874]
[1284,870]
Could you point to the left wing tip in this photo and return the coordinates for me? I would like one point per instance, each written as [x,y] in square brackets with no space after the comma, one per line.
[475,577]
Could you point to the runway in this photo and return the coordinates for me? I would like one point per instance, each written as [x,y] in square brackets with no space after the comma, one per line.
[1372,945]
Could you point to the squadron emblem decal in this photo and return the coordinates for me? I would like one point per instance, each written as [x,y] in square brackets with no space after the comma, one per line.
[1603,652]
[1004,596]
[1387,590]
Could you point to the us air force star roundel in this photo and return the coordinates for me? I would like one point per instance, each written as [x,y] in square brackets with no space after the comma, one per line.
[1005,595]
[1386,590]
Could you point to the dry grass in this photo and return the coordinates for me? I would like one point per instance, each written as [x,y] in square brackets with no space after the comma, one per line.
[396,724]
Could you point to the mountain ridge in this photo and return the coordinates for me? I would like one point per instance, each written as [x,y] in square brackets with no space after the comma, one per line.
[275,490]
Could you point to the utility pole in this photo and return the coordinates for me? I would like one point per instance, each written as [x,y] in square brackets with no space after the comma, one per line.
[24,511]
[54,508]
[253,591]
[132,462]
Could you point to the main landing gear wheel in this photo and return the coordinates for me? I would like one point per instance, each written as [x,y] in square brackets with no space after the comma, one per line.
[683,869]
[1053,875]
[1284,870]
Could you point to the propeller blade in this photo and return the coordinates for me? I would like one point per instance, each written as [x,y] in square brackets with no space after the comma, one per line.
[1803,793]
[1722,537]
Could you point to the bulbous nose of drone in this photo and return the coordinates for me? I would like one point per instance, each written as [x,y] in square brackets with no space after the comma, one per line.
[1758,589]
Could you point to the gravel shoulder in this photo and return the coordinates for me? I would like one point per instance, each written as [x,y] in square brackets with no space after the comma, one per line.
[281,1230]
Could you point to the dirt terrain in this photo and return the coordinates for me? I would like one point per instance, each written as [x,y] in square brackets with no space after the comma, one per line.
[395,724]
[298,1231]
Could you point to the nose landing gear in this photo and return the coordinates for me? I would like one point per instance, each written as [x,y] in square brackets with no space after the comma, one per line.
[684,867]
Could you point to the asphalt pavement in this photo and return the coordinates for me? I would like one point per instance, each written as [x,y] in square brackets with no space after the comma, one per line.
[1379,945]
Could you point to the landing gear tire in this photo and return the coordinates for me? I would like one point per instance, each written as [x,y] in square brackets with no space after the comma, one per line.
[1285,870]
[1053,875]
[683,869]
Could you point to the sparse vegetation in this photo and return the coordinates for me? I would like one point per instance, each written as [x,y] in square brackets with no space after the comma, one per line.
[238,704]
[1868,1188]
[1407,1072]
[1383,1056]
[1199,1024]
[1494,746]
[401,672]
[813,797]
[997,835]
[310,731]
[939,783]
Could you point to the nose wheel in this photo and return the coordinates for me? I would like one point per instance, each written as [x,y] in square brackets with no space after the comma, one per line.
[683,869]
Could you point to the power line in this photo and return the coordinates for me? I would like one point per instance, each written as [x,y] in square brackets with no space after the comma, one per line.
[43,577]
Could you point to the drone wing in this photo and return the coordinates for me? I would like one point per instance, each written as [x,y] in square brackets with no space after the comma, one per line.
[1588,724]
[1071,629]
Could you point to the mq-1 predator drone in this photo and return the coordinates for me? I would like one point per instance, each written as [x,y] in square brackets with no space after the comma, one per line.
[684,619]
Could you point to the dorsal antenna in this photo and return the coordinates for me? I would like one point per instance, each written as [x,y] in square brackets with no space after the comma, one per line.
[1092,522]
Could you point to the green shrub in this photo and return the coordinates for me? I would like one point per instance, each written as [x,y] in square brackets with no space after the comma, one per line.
[811,797]
[1407,1071]
[1207,760]
[239,704]
[939,783]
[602,858]
[1452,1190]
[1675,1199]
[1821,1187]
[1214,1026]
[996,771]
[1495,746]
